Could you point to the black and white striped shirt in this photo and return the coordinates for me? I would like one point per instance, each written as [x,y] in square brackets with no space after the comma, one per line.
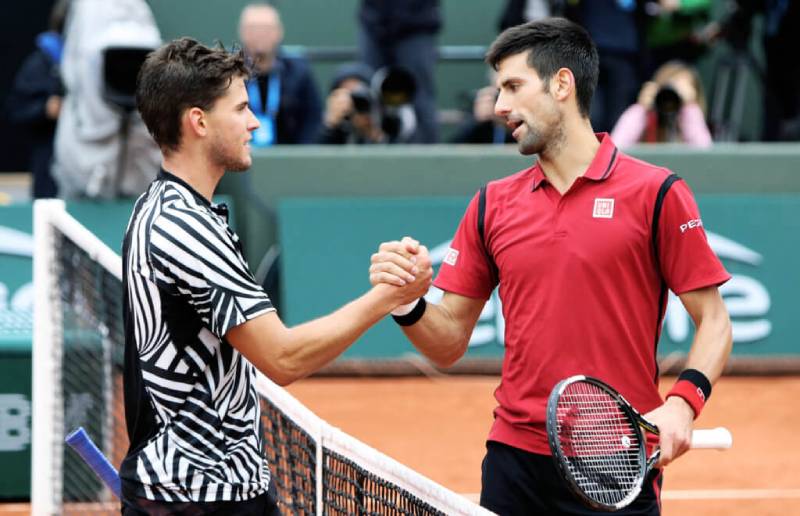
[191,407]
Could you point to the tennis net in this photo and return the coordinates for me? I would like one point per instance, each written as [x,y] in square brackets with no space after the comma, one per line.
[77,381]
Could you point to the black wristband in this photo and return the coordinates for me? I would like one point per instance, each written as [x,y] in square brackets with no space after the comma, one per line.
[698,379]
[412,316]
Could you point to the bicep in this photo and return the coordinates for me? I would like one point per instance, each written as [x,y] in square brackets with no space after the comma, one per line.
[462,311]
[261,341]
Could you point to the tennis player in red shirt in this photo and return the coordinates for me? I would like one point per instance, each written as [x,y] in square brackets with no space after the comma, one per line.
[584,246]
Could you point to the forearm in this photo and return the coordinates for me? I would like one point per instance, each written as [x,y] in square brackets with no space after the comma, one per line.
[439,336]
[311,345]
[712,345]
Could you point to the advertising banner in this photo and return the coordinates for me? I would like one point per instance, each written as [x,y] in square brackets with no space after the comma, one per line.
[327,244]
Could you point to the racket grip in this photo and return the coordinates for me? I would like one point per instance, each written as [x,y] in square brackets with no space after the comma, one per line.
[80,441]
[719,438]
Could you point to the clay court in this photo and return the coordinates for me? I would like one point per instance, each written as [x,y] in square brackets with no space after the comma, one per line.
[438,427]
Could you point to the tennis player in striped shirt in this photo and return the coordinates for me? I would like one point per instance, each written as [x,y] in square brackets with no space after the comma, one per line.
[197,325]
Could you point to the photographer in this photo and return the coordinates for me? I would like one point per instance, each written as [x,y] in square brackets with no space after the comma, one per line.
[102,149]
[670,109]
[363,107]
[350,112]
[482,125]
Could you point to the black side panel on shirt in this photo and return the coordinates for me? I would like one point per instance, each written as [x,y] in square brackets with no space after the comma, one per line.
[481,228]
[662,298]
[140,418]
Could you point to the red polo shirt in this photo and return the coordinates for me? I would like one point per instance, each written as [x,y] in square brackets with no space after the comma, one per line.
[579,282]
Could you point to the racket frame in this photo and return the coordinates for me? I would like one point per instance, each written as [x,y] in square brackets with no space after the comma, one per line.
[559,457]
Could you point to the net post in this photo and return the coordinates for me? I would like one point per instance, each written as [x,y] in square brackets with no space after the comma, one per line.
[46,421]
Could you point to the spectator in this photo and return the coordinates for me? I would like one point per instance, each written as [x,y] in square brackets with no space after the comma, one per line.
[482,125]
[282,92]
[35,100]
[102,147]
[403,34]
[616,27]
[671,108]
[351,115]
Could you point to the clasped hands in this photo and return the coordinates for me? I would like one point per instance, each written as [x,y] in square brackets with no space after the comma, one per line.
[406,266]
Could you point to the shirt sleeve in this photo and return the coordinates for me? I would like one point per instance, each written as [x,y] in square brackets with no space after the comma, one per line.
[193,257]
[465,269]
[685,256]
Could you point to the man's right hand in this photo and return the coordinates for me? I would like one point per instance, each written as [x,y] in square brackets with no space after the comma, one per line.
[647,95]
[52,107]
[338,106]
[405,264]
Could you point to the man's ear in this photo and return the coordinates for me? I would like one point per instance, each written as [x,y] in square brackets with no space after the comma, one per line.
[195,122]
[562,84]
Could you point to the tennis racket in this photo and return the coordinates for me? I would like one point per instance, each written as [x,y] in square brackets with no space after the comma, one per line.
[80,441]
[598,442]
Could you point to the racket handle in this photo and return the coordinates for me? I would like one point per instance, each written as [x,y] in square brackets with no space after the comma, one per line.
[80,441]
[719,438]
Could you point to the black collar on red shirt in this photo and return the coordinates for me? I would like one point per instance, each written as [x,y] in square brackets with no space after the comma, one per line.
[600,168]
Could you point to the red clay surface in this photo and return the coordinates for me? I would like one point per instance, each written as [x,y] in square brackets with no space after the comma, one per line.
[438,427]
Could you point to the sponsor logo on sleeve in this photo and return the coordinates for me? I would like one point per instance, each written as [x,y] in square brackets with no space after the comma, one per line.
[451,257]
[691,224]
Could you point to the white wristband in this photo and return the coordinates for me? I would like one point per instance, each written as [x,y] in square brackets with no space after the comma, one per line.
[405,309]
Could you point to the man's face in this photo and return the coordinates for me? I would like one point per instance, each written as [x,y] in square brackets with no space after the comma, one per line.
[260,31]
[230,123]
[526,106]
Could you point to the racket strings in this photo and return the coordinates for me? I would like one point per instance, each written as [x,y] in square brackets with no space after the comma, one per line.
[601,447]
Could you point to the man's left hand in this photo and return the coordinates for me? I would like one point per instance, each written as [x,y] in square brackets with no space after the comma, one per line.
[674,420]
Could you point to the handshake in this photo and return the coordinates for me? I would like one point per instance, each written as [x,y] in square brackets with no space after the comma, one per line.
[403,272]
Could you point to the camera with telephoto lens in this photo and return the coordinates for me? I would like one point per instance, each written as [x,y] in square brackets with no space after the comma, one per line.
[395,88]
[667,104]
[362,100]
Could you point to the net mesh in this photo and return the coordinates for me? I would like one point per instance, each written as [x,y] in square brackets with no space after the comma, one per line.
[89,314]
[599,444]
[351,489]
[316,468]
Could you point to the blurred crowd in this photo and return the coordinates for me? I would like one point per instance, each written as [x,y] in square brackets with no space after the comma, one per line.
[75,92]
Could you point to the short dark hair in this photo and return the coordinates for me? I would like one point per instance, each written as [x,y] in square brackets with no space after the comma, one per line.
[180,75]
[552,43]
